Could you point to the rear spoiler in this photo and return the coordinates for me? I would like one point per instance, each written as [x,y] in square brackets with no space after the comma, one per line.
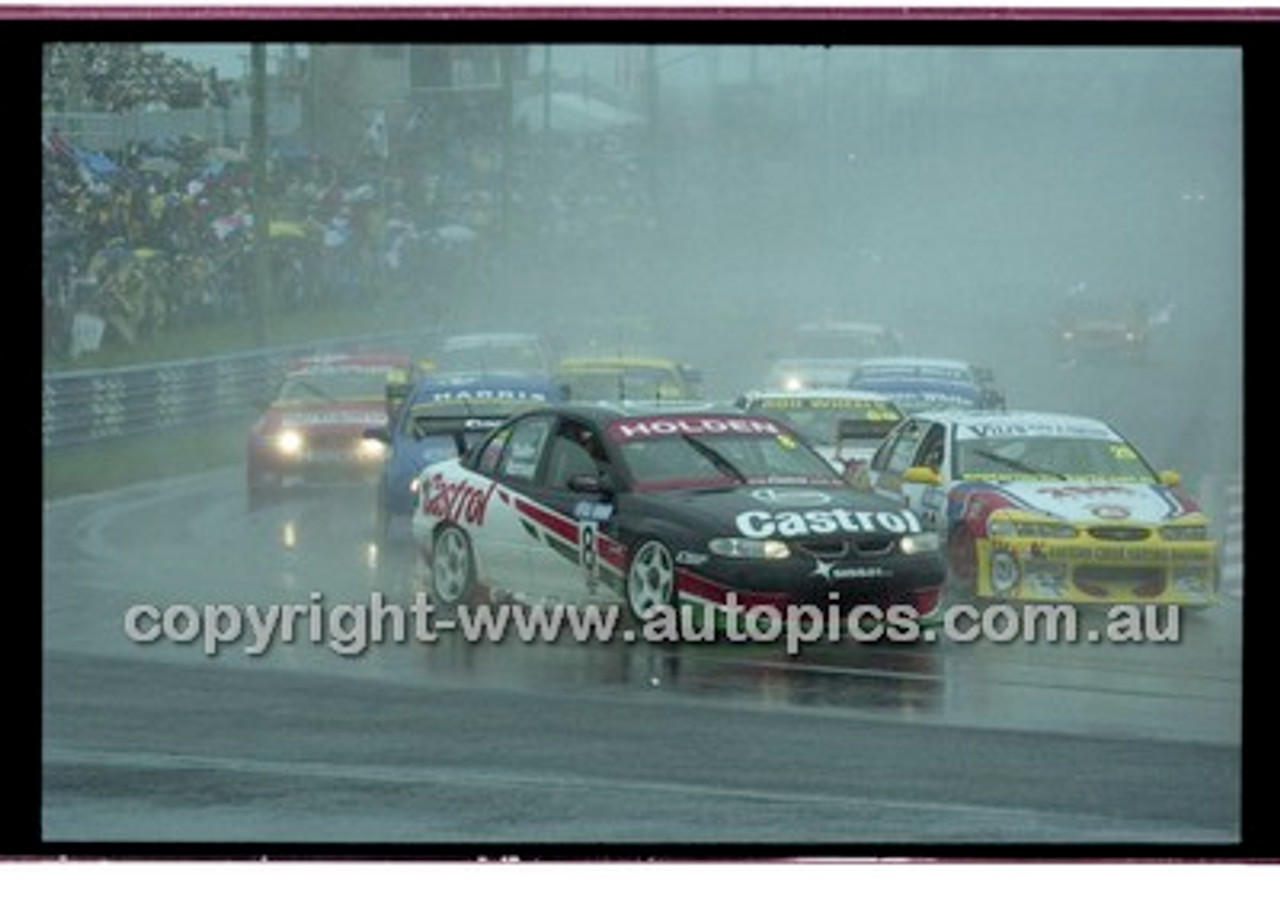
[465,431]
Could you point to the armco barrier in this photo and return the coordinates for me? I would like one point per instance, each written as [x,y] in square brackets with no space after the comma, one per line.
[84,406]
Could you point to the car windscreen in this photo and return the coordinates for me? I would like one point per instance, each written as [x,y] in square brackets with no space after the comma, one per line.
[707,451]
[818,419]
[337,384]
[1045,457]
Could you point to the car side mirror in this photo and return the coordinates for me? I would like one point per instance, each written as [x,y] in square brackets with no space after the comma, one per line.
[595,484]
[922,476]
[1170,479]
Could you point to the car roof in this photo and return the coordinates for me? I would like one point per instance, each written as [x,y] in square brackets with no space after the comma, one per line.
[603,413]
[941,362]
[481,382]
[851,394]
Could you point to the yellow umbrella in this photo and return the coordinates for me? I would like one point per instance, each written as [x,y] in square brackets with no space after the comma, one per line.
[284,229]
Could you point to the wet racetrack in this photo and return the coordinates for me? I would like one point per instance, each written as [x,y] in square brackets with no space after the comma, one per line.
[515,743]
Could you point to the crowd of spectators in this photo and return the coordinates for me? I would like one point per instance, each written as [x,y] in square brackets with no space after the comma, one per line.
[158,236]
[114,78]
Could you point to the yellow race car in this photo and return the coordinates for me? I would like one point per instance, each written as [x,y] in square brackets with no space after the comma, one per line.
[627,378]
[1043,507]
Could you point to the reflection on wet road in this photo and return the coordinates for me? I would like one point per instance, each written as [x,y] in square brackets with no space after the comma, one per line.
[142,740]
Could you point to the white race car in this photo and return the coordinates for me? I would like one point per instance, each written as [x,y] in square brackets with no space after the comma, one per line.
[1048,508]
[844,426]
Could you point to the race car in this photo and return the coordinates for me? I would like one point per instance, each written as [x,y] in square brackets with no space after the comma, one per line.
[1043,507]
[925,383]
[664,507]
[312,431]
[491,353]
[1092,326]
[843,426]
[623,378]
[439,418]
[797,374]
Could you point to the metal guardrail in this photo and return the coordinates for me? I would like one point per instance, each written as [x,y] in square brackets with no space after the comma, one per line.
[86,406]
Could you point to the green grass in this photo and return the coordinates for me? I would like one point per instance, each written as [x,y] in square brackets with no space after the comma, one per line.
[118,462]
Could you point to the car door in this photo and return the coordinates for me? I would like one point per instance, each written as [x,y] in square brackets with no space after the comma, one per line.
[891,460]
[503,545]
[571,522]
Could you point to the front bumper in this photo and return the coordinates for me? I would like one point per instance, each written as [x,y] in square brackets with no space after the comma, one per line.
[1091,571]
[351,463]
[914,580]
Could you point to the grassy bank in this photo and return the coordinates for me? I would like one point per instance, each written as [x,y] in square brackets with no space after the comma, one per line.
[240,334]
[119,462]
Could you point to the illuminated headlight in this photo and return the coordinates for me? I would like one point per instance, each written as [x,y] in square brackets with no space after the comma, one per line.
[1197,533]
[370,449]
[1030,529]
[919,543]
[289,442]
[753,549]
[793,383]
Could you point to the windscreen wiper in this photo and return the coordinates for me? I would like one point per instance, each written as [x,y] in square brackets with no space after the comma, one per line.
[1017,464]
[722,463]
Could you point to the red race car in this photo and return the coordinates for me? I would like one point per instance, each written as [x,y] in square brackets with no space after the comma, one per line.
[312,433]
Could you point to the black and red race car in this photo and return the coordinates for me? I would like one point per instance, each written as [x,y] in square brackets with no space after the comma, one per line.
[660,506]
[312,432]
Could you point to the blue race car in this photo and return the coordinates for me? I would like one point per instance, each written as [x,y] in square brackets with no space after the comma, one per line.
[926,383]
[438,419]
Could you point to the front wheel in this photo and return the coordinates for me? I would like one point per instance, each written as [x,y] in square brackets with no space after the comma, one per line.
[651,578]
[453,571]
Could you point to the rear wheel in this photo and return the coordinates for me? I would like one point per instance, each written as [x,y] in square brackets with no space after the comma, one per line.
[651,578]
[453,571]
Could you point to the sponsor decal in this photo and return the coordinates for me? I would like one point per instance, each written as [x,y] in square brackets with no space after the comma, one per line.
[793,497]
[1109,511]
[1084,491]
[489,394]
[761,524]
[999,430]
[691,558]
[658,427]
[458,501]
[592,511]
[829,571]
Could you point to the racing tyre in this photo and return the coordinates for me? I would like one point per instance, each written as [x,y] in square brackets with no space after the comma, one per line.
[651,578]
[453,567]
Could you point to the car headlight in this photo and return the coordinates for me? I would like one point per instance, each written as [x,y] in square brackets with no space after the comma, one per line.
[752,549]
[370,449]
[919,543]
[1196,533]
[289,442]
[793,383]
[1030,529]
